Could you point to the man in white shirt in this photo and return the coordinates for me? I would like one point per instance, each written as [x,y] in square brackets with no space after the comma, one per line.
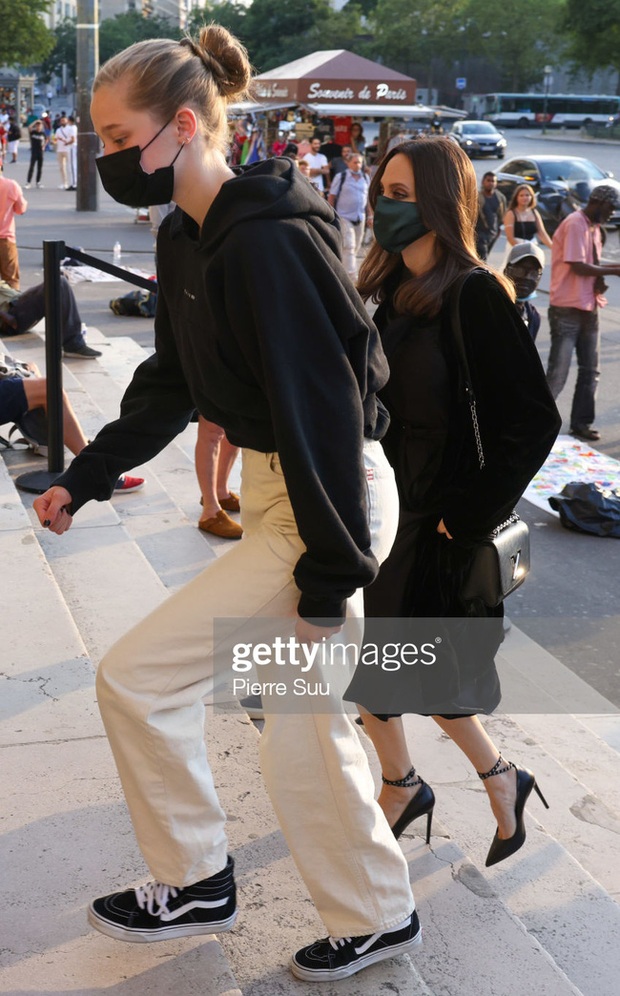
[64,139]
[72,128]
[348,195]
[319,167]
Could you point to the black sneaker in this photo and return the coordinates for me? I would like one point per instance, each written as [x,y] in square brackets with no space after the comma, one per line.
[339,957]
[155,912]
[82,352]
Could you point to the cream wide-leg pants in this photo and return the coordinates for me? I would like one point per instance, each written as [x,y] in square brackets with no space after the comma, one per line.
[151,685]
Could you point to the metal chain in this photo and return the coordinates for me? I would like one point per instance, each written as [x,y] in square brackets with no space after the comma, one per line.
[474,419]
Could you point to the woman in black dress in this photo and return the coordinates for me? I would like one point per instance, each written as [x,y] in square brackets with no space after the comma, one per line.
[424,201]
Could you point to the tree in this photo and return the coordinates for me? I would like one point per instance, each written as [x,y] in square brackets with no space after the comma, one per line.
[278,31]
[24,38]
[593,29]
[519,39]
[63,52]
[229,13]
[117,33]
[413,36]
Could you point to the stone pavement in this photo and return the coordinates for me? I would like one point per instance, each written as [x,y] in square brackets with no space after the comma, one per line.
[545,923]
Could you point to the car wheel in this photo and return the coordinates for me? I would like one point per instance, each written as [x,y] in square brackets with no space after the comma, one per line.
[500,155]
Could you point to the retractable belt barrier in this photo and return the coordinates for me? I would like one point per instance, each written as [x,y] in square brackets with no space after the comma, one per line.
[54,252]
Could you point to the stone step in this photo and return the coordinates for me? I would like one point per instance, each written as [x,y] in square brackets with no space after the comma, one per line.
[158,526]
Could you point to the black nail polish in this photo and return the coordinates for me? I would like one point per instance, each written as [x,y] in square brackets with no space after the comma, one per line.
[47,522]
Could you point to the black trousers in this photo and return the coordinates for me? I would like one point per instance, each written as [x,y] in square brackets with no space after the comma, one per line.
[36,159]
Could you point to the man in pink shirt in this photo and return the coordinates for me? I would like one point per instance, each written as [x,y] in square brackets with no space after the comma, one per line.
[12,202]
[576,294]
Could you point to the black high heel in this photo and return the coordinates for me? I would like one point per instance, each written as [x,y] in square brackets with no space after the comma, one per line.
[503,848]
[422,803]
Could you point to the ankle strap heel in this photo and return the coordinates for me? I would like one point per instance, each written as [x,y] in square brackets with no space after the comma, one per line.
[409,781]
[422,803]
[498,768]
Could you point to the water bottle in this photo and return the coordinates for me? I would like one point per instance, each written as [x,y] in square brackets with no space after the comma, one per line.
[116,252]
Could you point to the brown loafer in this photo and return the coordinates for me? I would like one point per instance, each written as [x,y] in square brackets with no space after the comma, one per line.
[221,525]
[231,504]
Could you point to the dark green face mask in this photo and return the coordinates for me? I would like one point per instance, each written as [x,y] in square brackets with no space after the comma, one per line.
[397,223]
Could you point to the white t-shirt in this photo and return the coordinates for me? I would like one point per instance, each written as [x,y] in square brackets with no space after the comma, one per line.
[315,162]
[66,136]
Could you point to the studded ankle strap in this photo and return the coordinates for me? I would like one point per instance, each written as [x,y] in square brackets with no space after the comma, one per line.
[408,781]
[498,768]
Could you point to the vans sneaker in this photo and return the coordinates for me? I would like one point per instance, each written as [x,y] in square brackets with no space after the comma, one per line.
[340,957]
[126,484]
[157,912]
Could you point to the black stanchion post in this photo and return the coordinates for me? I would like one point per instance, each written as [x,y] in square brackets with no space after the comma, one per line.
[40,480]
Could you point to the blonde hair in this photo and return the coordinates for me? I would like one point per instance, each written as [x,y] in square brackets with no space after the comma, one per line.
[206,73]
[446,191]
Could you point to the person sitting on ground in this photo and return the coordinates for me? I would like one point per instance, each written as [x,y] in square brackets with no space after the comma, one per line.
[215,457]
[19,395]
[524,266]
[19,312]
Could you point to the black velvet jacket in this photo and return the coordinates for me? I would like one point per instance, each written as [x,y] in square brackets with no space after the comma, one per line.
[517,416]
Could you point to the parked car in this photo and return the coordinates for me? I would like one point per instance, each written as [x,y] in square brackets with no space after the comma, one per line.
[479,138]
[562,184]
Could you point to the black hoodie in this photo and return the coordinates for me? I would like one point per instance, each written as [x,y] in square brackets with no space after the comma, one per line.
[259,328]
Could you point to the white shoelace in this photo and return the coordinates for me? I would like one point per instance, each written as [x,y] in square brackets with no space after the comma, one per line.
[155,892]
[339,942]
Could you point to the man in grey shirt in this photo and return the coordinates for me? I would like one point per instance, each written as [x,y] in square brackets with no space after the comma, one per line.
[348,195]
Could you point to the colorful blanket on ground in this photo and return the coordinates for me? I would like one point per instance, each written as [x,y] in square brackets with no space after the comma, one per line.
[571,460]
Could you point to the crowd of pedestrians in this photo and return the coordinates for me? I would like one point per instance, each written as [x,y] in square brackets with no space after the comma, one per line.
[366,483]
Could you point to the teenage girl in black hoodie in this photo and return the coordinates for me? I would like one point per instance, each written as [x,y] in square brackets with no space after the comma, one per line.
[260,330]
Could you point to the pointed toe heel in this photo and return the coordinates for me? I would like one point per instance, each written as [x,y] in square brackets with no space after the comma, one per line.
[422,804]
[501,848]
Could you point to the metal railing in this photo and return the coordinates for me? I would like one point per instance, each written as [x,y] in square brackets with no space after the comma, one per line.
[54,251]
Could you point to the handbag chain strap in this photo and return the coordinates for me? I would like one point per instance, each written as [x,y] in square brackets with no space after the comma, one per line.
[457,332]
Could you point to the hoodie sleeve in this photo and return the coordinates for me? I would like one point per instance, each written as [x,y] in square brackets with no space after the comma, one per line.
[309,346]
[155,408]
[517,416]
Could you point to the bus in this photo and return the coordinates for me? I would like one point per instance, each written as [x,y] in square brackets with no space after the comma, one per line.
[569,110]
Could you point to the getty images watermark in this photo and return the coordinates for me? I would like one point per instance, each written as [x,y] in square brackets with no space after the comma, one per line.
[389,666]
[321,658]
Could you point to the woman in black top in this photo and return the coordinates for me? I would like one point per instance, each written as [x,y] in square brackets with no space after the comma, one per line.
[424,200]
[522,221]
[260,330]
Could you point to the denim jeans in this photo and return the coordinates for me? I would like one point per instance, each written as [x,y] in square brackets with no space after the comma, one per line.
[29,308]
[574,329]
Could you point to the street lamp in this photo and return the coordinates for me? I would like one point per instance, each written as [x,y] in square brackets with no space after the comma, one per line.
[547,83]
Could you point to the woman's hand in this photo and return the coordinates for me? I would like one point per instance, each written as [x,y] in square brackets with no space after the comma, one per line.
[52,511]
[307,632]
[441,528]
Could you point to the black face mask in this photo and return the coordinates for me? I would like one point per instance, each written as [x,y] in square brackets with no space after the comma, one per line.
[124,179]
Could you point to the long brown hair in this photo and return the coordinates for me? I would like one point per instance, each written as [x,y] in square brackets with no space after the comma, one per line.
[513,200]
[447,196]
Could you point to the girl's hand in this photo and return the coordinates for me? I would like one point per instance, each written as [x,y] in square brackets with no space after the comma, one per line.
[307,632]
[52,511]
[441,528]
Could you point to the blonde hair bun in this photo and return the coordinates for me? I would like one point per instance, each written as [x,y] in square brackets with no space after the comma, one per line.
[225,58]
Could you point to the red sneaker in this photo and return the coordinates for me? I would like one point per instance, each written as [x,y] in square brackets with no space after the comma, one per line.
[125,484]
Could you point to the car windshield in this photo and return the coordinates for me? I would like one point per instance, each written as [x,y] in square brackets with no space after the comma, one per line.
[478,128]
[571,169]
